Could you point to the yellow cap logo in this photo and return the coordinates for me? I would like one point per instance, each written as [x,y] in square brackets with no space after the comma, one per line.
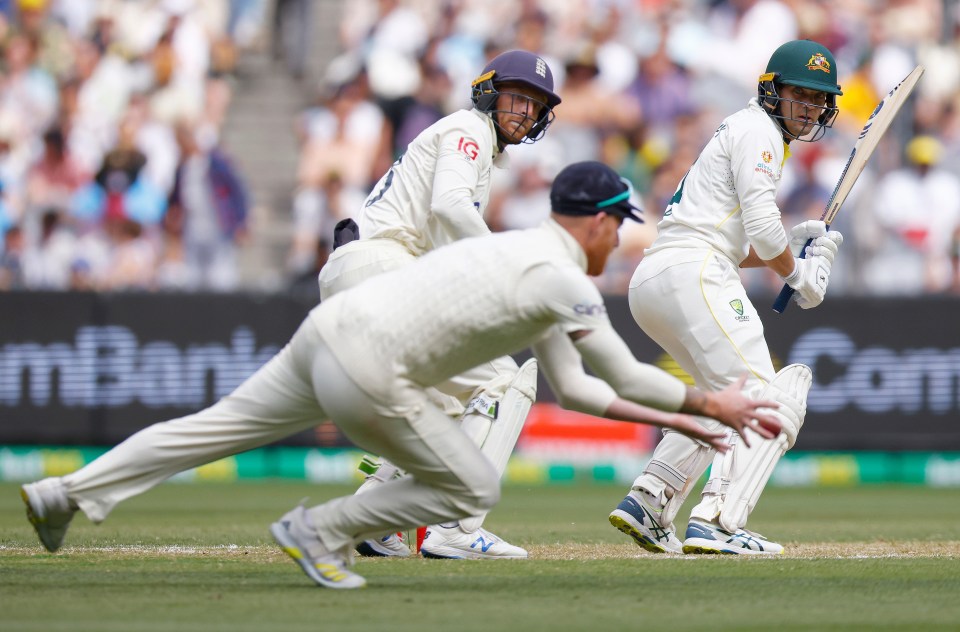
[818,62]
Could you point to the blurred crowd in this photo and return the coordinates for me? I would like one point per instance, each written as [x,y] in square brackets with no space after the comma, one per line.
[644,85]
[113,175]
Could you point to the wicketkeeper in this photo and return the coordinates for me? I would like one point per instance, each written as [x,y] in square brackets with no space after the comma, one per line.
[435,194]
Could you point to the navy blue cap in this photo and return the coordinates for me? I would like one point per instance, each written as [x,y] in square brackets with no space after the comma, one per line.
[591,187]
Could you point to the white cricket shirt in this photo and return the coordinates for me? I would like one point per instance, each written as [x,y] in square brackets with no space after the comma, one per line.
[458,307]
[437,192]
[726,202]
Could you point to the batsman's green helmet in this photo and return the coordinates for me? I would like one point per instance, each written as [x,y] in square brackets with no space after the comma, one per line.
[806,64]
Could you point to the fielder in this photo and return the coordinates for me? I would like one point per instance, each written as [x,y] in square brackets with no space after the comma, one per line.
[366,358]
[687,296]
[435,194]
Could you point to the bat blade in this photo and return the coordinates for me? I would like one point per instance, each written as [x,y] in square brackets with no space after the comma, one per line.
[874,129]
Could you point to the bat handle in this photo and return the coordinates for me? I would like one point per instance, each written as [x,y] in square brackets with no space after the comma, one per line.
[783,299]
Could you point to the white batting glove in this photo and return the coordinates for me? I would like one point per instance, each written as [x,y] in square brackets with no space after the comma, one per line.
[809,278]
[799,234]
[826,246]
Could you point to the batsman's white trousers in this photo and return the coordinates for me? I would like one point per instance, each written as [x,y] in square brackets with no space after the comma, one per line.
[300,387]
[693,304]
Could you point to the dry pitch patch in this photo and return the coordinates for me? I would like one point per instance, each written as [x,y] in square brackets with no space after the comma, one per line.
[565,551]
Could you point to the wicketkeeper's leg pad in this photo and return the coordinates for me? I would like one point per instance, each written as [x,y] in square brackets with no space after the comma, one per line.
[495,424]
[748,469]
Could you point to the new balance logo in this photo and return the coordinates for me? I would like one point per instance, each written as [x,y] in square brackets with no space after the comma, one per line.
[484,545]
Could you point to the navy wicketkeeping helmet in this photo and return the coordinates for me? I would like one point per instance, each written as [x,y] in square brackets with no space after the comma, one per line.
[516,67]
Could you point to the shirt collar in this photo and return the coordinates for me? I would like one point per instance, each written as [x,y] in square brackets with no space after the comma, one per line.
[570,245]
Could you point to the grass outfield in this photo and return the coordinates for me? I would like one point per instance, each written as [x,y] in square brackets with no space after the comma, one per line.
[198,557]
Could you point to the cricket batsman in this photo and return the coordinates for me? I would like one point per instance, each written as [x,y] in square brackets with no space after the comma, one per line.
[686,294]
[366,358]
[435,194]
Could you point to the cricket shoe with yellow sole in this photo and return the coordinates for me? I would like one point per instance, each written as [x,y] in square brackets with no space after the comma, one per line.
[392,545]
[640,519]
[299,540]
[710,539]
[454,544]
[49,510]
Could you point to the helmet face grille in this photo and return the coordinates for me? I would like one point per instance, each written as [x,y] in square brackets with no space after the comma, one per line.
[780,109]
[486,98]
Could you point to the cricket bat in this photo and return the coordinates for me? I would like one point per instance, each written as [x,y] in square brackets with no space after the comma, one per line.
[869,138]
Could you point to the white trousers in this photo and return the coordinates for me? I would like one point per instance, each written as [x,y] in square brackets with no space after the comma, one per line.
[301,386]
[693,304]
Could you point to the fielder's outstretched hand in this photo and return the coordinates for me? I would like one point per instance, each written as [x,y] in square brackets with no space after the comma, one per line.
[732,408]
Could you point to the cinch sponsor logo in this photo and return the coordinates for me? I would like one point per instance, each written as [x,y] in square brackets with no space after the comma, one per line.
[878,379]
[108,366]
[591,309]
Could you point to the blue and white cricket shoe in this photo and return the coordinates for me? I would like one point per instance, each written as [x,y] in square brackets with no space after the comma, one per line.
[640,520]
[392,545]
[453,544]
[709,538]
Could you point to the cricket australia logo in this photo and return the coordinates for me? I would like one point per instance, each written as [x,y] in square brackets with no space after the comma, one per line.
[818,62]
[541,68]
[737,306]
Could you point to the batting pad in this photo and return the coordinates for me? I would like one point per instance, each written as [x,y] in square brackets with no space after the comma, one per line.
[749,469]
[677,464]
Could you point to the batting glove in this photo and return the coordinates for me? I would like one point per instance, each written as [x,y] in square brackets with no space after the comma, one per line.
[809,278]
[826,246]
[799,234]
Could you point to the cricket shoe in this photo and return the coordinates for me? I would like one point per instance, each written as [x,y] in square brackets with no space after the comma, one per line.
[453,544]
[299,540]
[49,510]
[392,545]
[640,520]
[708,538]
